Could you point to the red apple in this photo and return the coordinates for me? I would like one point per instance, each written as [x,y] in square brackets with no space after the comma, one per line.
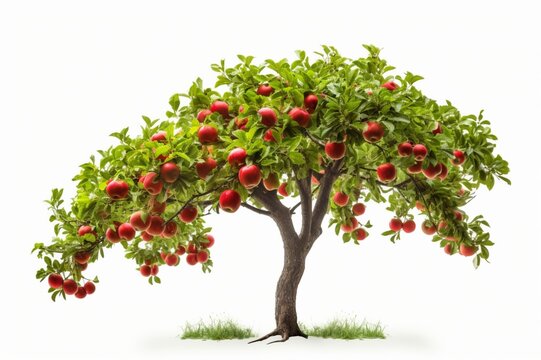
[192,248]
[444,171]
[282,190]
[395,224]
[360,234]
[428,228]
[310,102]
[420,206]
[340,199]
[358,209]
[220,107]
[268,136]
[458,215]
[335,150]
[169,172]
[90,288]
[154,269]
[264,90]
[82,267]
[416,168]
[112,235]
[301,116]
[373,131]
[350,225]
[459,159]
[408,226]
[188,214]
[448,248]
[126,231]
[191,259]
[237,157]
[86,229]
[172,259]
[438,129]
[55,281]
[145,270]
[80,293]
[146,236]
[386,172]
[117,189]
[202,115]
[170,230]
[202,257]
[268,116]
[152,184]
[207,134]
[249,176]
[230,201]
[69,286]
[419,152]
[405,149]
[432,171]
[467,250]
[181,250]
[140,220]
[82,257]
[390,85]
[271,182]
[156,207]
[204,168]
[160,136]
[209,243]
[157,225]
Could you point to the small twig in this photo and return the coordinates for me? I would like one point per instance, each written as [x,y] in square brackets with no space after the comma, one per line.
[314,139]
[255,209]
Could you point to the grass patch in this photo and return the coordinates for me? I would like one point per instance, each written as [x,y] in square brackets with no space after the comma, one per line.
[216,330]
[346,329]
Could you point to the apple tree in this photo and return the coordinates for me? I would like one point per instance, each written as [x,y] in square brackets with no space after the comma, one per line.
[336,133]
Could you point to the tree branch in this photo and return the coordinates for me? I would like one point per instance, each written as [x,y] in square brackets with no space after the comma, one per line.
[314,139]
[255,209]
[306,206]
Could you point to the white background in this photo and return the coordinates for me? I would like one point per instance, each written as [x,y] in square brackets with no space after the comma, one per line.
[75,73]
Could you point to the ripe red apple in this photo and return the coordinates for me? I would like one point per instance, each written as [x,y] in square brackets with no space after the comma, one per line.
[154,269]
[340,199]
[268,116]
[419,152]
[282,190]
[444,171]
[86,229]
[310,102]
[209,243]
[55,281]
[191,259]
[181,250]
[416,168]
[405,149]
[268,136]
[126,231]
[459,159]
[170,230]
[358,209]
[192,248]
[264,90]
[152,184]
[438,129]
[160,136]
[349,226]
[237,157]
[335,150]
[69,286]
[459,215]
[146,236]
[241,123]
[156,207]
[420,206]
[157,225]
[373,131]
[140,220]
[204,168]
[202,115]
[467,250]
[408,226]
[360,234]
[188,214]
[145,270]
[82,257]
[207,134]
[386,172]
[117,189]
[428,228]
[90,288]
[249,176]
[390,85]
[112,235]
[169,172]
[80,293]
[172,259]
[202,257]
[230,200]
[220,107]
[432,171]
[301,116]
[271,182]
[448,248]
[395,224]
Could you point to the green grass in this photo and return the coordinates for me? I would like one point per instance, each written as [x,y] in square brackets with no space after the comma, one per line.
[216,330]
[345,329]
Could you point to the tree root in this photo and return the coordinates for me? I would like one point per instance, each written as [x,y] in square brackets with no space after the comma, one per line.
[285,336]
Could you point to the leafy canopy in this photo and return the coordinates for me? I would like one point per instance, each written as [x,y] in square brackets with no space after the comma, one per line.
[349,94]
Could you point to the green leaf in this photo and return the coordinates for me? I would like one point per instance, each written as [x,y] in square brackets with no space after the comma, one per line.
[296,158]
